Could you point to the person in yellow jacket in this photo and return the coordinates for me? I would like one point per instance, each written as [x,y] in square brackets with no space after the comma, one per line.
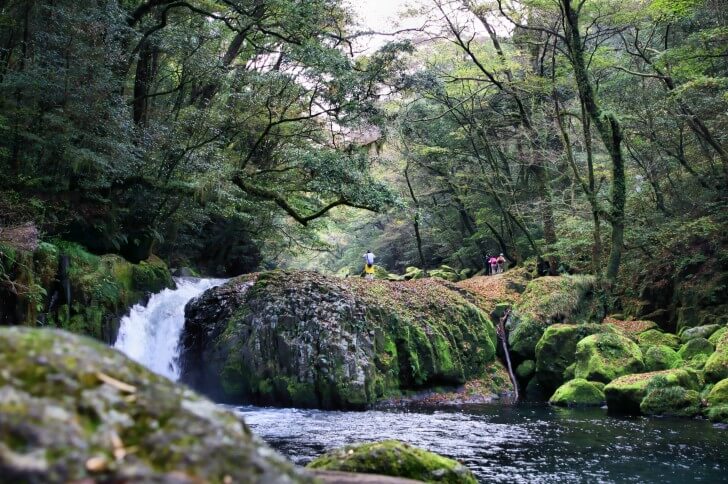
[369,265]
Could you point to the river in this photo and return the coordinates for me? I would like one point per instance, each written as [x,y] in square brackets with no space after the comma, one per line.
[499,443]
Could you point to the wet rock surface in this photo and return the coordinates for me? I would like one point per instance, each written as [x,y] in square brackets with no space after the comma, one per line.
[72,409]
[309,340]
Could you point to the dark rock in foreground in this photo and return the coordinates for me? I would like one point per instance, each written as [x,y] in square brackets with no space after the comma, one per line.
[72,409]
[308,340]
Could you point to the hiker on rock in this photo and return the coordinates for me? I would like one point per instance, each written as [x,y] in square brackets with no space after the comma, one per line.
[369,265]
[501,263]
[493,265]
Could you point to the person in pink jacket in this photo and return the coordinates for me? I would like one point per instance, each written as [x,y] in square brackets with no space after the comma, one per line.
[493,265]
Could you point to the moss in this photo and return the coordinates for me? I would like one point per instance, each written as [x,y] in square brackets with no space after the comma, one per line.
[672,401]
[625,393]
[556,350]
[654,337]
[66,395]
[388,338]
[526,369]
[546,301]
[715,337]
[578,392]
[661,357]
[717,414]
[696,347]
[716,367]
[394,458]
[606,356]
[718,394]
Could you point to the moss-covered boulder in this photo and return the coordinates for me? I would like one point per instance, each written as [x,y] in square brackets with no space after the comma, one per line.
[394,458]
[716,366]
[661,357]
[606,356]
[718,394]
[699,332]
[655,337]
[715,337]
[526,369]
[556,350]
[308,340]
[70,288]
[717,399]
[546,301]
[75,410]
[578,392]
[625,394]
[671,401]
[503,290]
[696,347]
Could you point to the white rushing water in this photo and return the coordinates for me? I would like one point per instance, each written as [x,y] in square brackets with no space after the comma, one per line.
[150,334]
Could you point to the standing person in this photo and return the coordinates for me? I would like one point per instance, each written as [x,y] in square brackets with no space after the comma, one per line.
[487,264]
[501,263]
[493,265]
[369,265]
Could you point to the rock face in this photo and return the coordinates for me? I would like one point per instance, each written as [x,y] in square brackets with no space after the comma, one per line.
[716,367]
[546,301]
[578,392]
[72,409]
[625,394]
[556,349]
[309,340]
[394,458]
[605,356]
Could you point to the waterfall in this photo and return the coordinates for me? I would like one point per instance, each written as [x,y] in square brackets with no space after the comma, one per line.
[150,334]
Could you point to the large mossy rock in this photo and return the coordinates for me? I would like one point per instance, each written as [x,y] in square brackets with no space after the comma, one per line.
[308,340]
[671,401]
[661,357]
[578,392]
[717,410]
[625,394]
[606,356]
[546,301]
[556,350]
[72,289]
[655,337]
[696,347]
[75,410]
[716,367]
[500,291]
[394,458]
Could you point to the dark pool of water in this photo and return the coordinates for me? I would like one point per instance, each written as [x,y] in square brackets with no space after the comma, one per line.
[524,443]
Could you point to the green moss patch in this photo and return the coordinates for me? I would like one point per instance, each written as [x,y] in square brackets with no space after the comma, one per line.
[556,350]
[546,301]
[75,410]
[672,401]
[397,459]
[606,356]
[661,357]
[625,393]
[655,337]
[578,392]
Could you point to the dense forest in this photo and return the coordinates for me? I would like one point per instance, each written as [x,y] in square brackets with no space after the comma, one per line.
[235,135]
